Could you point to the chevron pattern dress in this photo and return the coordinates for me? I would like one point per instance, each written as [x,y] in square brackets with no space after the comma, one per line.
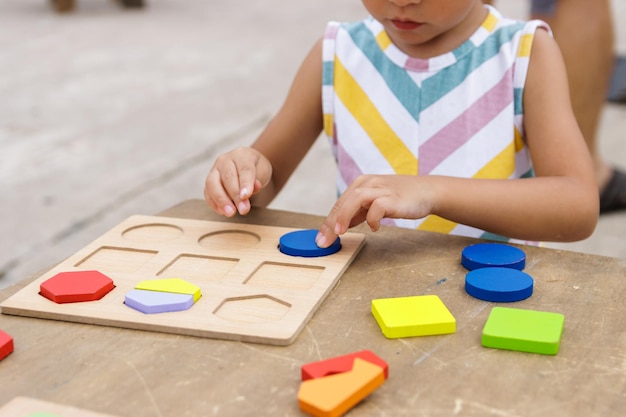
[459,114]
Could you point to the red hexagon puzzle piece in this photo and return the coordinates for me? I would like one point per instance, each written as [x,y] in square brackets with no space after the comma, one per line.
[6,345]
[76,286]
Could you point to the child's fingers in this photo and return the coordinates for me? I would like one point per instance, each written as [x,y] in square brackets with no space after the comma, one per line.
[232,181]
[325,236]
[218,209]
[349,210]
[329,230]
[353,207]
[216,195]
[377,211]
[246,185]
[258,186]
[244,205]
[252,170]
[360,202]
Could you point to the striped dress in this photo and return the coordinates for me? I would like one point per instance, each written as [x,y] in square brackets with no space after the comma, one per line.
[459,114]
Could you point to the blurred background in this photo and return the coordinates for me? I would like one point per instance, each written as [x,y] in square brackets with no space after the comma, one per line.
[108,111]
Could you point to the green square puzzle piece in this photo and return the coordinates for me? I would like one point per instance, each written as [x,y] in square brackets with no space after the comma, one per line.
[422,315]
[523,330]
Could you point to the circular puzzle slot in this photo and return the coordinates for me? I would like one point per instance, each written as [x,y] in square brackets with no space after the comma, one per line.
[152,232]
[229,240]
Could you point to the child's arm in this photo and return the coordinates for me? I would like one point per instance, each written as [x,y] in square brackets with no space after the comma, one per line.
[263,169]
[560,204]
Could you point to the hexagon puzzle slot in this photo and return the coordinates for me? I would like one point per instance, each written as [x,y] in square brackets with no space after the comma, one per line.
[76,286]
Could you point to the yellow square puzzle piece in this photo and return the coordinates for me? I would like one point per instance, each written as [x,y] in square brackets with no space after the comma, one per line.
[423,315]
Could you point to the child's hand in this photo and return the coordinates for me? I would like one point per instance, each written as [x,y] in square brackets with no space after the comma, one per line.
[234,178]
[371,198]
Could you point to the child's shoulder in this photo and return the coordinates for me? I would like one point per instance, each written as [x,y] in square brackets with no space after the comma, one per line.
[497,20]
[351,24]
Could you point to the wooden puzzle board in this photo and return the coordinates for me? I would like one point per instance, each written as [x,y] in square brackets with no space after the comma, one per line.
[250,290]
[24,407]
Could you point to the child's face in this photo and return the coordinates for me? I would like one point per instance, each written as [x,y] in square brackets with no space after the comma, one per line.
[425,28]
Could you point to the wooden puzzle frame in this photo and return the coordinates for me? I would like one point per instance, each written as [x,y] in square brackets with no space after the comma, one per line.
[250,290]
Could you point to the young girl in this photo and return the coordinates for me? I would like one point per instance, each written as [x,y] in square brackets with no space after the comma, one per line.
[442,115]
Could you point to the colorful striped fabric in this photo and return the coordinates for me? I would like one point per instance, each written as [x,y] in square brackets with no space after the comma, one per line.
[459,114]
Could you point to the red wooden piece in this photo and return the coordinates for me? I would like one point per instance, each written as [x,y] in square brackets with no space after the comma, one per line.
[6,345]
[76,286]
[341,364]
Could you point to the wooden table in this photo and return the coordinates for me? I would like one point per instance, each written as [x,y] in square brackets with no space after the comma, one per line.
[138,373]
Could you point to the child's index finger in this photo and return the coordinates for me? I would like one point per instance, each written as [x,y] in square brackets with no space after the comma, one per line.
[302,243]
[325,237]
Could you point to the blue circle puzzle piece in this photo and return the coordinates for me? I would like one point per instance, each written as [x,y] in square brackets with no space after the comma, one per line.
[302,243]
[483,255]
[499,284]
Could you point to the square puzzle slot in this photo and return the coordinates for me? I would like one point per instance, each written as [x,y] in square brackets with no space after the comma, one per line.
[195,267]
[285,276]
[113,259]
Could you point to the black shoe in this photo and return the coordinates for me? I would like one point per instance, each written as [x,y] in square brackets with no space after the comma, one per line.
[613,197]
[133,4]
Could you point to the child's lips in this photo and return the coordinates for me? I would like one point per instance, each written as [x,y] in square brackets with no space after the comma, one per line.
[405,24]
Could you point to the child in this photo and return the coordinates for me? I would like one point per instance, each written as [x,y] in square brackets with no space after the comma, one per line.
[442,115]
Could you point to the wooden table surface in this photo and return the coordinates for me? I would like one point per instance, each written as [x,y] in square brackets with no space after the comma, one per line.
[139,373]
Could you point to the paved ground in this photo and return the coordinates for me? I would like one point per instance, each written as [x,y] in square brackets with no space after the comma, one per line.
[107,112]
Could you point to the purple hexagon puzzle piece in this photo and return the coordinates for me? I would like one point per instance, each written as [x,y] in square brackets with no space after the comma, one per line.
[151,302]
